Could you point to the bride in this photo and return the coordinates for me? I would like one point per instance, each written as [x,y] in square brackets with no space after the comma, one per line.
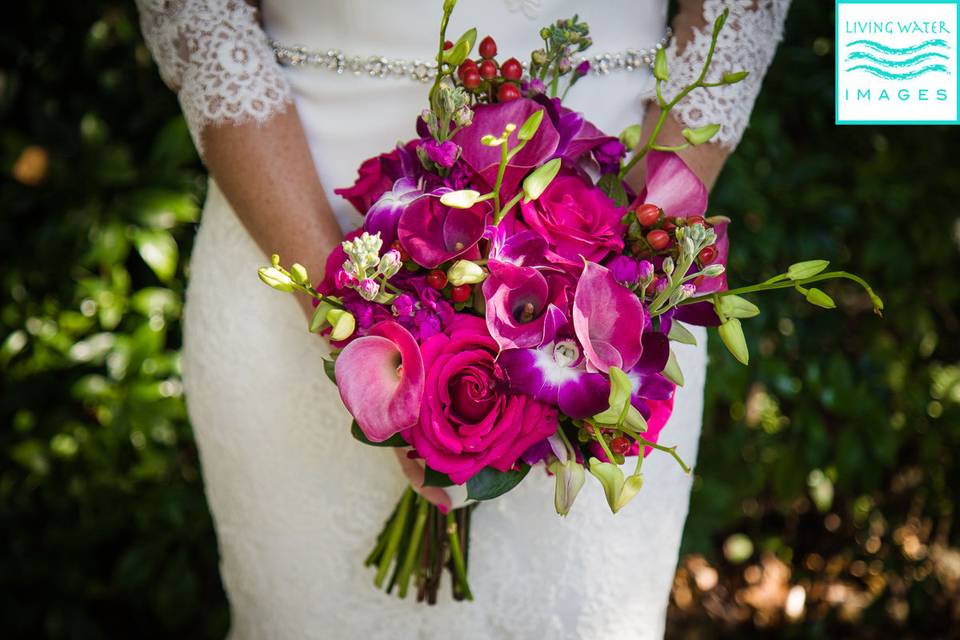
[295,499]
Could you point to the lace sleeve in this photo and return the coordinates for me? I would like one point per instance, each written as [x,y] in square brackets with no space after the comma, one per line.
[747,42]
[214,54]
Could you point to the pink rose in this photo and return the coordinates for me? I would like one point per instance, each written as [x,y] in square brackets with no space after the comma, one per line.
[577,220]
[468,420]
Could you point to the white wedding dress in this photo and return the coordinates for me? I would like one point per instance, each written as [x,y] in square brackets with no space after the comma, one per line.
[296,501]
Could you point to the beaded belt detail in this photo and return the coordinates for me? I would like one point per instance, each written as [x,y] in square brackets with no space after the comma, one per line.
[424,70]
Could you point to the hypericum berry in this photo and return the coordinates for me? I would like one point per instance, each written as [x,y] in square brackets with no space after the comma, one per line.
[620,446]
[511,69]
[658,239]
[471,79]
[695,220]
[708,254]
[460,293]
[668,225]
[465,66]
[488,48]
[488,69]
[437,279]
[507,92]
[447,44]
[648,214]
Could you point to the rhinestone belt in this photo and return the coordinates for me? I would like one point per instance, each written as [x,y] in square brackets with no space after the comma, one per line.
[424,70]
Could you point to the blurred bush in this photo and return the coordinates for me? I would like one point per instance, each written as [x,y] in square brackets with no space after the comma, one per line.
[827,484]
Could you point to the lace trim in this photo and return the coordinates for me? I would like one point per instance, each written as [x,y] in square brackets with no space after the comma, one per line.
[748,42]
[217,58]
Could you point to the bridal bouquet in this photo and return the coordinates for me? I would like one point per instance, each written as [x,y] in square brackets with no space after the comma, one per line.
[510,303]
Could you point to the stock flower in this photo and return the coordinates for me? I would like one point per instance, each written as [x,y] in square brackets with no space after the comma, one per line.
[469,419]
[378,174]
[443,154]
[609,320]
[577,220]
[519,300]
[381,379]
[432,233]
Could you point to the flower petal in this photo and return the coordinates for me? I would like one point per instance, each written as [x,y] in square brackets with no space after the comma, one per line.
[608,319]
[672,186]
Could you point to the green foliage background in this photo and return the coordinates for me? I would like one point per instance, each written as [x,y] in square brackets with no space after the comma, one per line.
[844,428]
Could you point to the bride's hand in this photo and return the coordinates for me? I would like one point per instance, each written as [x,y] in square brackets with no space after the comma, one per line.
[414,470]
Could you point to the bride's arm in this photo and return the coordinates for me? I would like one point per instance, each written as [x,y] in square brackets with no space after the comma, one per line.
[240,112]
[748,42]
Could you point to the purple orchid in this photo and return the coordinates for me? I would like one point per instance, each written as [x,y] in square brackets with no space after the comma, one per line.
[522,248]
[608,319]
[384,215]
[521,300]
[432,233]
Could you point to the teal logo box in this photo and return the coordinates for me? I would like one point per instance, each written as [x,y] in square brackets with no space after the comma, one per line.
[896,62]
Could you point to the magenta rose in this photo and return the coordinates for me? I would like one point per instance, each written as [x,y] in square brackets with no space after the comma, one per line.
[577,220]
[377,175]
[468,419]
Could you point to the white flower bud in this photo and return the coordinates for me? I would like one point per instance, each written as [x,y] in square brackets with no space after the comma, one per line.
[465,272]
[275,278]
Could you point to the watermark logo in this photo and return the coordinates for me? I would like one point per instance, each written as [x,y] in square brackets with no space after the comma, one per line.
[896,62]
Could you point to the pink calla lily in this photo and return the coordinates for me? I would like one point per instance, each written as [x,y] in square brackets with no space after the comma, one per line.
[672,186]
[380,377]
[608,319]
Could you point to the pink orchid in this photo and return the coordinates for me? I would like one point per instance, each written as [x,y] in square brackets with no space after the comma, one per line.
[380,377]
[519,299]
[433,233]
[608,319]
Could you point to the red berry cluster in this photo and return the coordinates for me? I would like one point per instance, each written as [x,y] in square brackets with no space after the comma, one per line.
[438,280]
[486,77]
[658,232]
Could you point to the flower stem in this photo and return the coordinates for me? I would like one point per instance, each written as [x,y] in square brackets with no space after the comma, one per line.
[659,447]
[397,526]
[501,170]
[456,555]
[413,549]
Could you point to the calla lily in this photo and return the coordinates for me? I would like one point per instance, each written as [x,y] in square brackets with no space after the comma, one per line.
[381,378]
[433,233]
[519,300]
[672,186]
[608,319]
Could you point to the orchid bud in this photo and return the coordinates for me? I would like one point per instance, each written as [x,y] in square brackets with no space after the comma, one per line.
[390,263]
[465,272]
[570,477]
[463,199]
[714,270]
[660,71]
[299,273]
[368,289]
[273,277]
[343,322]
[275,260]
[732,77]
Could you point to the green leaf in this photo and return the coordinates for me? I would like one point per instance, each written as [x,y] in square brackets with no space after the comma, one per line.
[396,440]
[807,269]
[159,250]
[611,185]
[732,335]
[679,333]
[700,135]
[733,306]
[433,478]
[819,298]
[490,483]
[630,137]
[329,368]
[672,371]
[536,183]
[529,128]
[660,69]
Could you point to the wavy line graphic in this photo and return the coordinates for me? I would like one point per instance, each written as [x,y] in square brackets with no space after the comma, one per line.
[886,62]
[882,48]
[906,75]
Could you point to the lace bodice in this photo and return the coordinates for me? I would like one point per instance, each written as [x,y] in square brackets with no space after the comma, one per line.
[747,42]
[215,54]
